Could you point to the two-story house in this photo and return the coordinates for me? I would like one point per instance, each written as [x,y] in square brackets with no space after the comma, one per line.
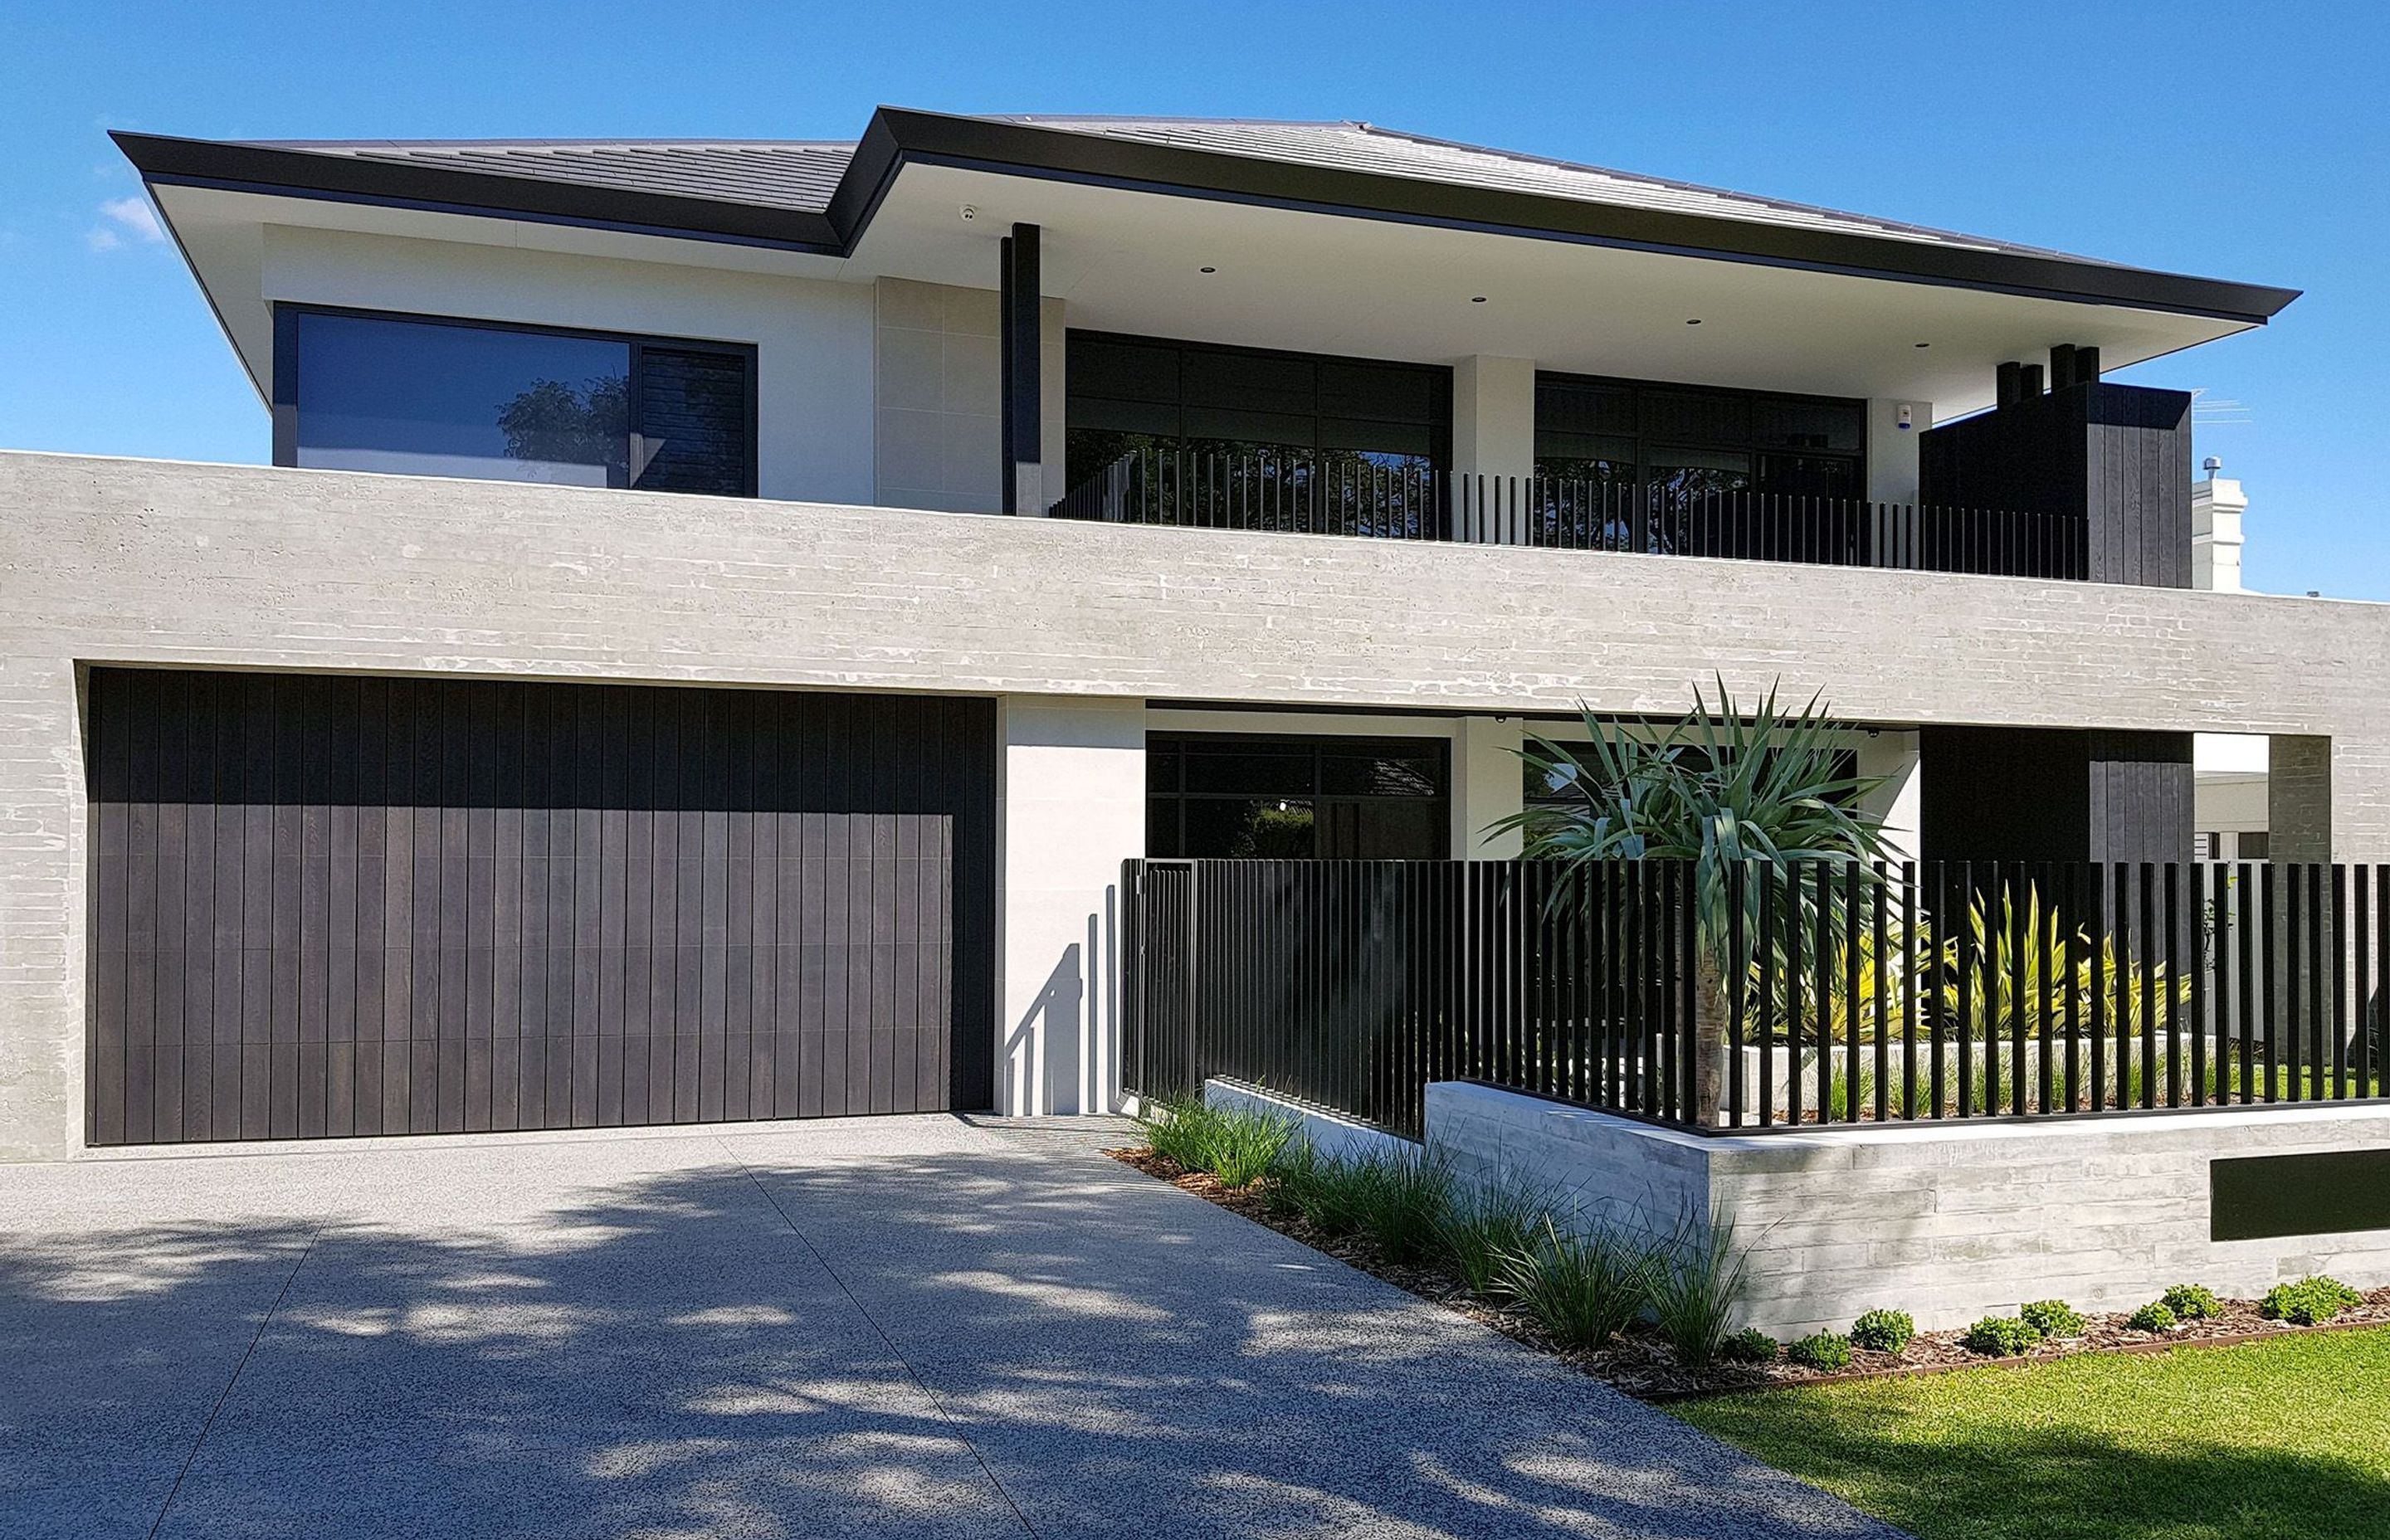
[626,699]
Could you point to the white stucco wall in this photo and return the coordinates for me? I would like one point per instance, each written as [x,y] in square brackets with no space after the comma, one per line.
[1070,808]
[1893,759]
[938,405]
[1493,417]
[813,339]
[1892,449]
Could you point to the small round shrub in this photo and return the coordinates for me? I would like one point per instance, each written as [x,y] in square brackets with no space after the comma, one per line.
[2191,1302]
[1884,1330]
[1827,1352]
[2054,1318]
[1750,1345]
[2156,1315]
[2309,1302]
[2002,1337]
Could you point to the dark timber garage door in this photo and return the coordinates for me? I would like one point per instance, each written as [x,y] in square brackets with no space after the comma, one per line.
[327,906]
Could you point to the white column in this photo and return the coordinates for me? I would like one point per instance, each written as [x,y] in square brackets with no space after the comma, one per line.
[1892,449]
[1487,783]
[1070,809]
[1493,435]
[1894,760]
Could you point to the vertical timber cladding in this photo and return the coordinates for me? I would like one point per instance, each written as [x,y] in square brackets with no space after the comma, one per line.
[2115,457]
[329,906]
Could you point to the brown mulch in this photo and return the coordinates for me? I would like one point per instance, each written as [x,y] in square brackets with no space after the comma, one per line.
[1641,1364]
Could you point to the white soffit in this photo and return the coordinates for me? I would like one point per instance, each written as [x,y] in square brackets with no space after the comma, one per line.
[1130,260]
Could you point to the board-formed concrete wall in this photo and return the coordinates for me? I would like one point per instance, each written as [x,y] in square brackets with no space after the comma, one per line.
[129,561]
[1946,1221]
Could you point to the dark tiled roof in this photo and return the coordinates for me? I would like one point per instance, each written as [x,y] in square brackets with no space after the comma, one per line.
[792,175]
[801,175]
[1387,152]
[816,196]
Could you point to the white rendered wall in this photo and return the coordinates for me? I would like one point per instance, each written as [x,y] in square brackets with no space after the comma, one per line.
[1894,758]
[813,339]
[1070,809]
[1493,417]
[1892,449]
[939,404]
[1947,1221]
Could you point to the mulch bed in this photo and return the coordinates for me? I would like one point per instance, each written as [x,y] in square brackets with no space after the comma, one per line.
[1640,1364]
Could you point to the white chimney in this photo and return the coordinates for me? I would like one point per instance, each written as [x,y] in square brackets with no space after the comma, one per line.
[2217,504]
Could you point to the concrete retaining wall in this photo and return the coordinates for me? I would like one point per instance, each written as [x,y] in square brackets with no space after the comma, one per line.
[1948,1221]
[1328,1134]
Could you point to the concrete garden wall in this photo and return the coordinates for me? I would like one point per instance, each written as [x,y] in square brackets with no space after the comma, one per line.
[1950,1221]
[1328,1134]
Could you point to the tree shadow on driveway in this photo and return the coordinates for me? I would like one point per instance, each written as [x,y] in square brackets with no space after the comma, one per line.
[747,1343]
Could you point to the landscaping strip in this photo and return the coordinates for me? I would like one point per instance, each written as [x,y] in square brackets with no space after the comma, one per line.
[1639,1360]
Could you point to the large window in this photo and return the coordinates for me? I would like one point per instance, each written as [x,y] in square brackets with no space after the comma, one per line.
[428,397]
[1261,797]
[1137,393]
[1685,442]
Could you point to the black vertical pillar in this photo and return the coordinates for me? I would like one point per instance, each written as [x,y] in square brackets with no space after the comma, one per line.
[1020,356]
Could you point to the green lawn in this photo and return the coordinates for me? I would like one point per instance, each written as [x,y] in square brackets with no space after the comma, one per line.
[2274,1441]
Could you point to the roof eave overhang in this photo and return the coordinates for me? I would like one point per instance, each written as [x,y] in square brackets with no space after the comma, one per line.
[898,136]
[277,173]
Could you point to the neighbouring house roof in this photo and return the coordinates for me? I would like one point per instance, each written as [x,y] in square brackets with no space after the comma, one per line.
[821,196]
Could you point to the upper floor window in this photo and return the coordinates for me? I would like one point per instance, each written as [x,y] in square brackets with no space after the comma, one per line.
[1143,392]
[1686,441]
[428,397]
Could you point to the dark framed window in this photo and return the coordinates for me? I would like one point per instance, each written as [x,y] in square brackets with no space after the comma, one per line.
[1539,787]
[437,396]
[1264,796]
[1139,392]
[1687,442]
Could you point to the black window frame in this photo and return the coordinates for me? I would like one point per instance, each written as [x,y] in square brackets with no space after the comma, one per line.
[1651,446]
[1438,424]
[287,315]
[1314,745]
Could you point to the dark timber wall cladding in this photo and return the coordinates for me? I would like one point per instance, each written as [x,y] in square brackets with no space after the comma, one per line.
[2117,457]
[336,905]
[2054,794]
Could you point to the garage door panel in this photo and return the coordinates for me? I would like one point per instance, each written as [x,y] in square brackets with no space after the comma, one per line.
[324,906]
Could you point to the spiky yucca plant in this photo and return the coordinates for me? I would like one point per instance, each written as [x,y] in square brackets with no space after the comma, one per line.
[1767,787]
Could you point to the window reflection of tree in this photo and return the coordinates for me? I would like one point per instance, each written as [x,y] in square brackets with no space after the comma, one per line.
[554,423]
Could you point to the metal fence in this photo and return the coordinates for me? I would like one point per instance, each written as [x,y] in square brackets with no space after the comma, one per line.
[1311,493]
[1836,991]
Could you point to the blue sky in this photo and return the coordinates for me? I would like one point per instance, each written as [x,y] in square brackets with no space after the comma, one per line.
[2243,141]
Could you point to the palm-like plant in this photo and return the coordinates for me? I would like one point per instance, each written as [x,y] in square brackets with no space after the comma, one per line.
[1724,789]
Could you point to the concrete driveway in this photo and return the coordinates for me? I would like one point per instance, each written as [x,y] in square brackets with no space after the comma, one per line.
[917,1325]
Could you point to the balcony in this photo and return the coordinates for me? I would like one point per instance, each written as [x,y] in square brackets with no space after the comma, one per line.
[1302,493]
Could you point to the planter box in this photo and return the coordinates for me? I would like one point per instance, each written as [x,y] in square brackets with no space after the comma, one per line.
[1948,1221]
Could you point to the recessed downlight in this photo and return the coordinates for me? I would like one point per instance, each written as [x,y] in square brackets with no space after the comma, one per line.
[1924,344]
[1694,321]
[1477,299]
[1207,270]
